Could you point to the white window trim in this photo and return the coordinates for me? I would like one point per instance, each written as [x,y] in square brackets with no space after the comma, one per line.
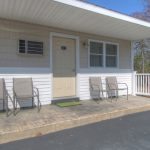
[104,53]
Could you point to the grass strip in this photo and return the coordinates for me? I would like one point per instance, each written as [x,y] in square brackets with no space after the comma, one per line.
[68,104]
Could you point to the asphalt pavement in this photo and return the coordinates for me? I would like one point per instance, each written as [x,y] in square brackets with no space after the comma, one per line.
[126,133]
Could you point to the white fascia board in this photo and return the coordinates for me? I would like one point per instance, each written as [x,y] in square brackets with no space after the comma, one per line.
[103,11]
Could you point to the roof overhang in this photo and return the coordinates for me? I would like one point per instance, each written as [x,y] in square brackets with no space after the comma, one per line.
[76,16]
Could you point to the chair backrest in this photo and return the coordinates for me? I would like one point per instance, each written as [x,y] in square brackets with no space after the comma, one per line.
[23,87]
[96,83]
[2,89]
[111,82]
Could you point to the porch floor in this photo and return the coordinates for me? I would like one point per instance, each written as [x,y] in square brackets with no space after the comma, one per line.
[51,118]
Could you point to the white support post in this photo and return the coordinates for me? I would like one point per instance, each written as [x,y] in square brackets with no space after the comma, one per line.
[134,83]
[132,68]
[132,55]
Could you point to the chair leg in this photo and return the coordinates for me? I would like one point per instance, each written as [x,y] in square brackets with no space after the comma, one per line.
[38,103]
[102,95]
[111,95]
[14,105]
[6,112]
[3,105]
[99,94]
[117,95]
[106,95]
[127,94]
[7,106]
[32,102]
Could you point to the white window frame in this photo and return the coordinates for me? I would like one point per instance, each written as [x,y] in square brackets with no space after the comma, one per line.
[104,53]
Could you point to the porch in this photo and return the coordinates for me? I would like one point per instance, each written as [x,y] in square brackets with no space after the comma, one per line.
[29,123]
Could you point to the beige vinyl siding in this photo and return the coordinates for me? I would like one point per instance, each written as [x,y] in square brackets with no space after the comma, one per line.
[125,55]
[9,36]
[124,50]
[12,31]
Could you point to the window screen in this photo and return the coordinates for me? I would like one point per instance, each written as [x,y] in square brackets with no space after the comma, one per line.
[96,54]
[30,47]
[35,47]
[22,46]
[111,55]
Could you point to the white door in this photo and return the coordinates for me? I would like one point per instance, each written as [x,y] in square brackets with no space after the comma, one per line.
[64,67]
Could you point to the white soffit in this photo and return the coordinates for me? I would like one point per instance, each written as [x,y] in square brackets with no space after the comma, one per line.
[75,15]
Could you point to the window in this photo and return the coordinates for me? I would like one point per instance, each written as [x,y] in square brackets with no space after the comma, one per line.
[22,46]
[30,47]
[103,54]
[96,54]
[111,55]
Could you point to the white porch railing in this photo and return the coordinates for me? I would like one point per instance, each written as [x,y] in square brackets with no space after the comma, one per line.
[142,84]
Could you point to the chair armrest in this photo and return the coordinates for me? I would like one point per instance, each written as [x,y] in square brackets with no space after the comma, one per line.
[13,91]
[14,94]
[8,95]
[103,83]
[36,90]
[124,84]
[94,85]
[108,85]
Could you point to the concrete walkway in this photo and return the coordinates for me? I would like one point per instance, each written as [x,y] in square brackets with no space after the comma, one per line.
[29,123]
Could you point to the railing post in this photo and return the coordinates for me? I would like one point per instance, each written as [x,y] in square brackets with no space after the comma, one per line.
[142,84]
[134,83]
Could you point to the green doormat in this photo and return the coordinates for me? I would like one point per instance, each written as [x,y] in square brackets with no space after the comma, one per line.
[68,104]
